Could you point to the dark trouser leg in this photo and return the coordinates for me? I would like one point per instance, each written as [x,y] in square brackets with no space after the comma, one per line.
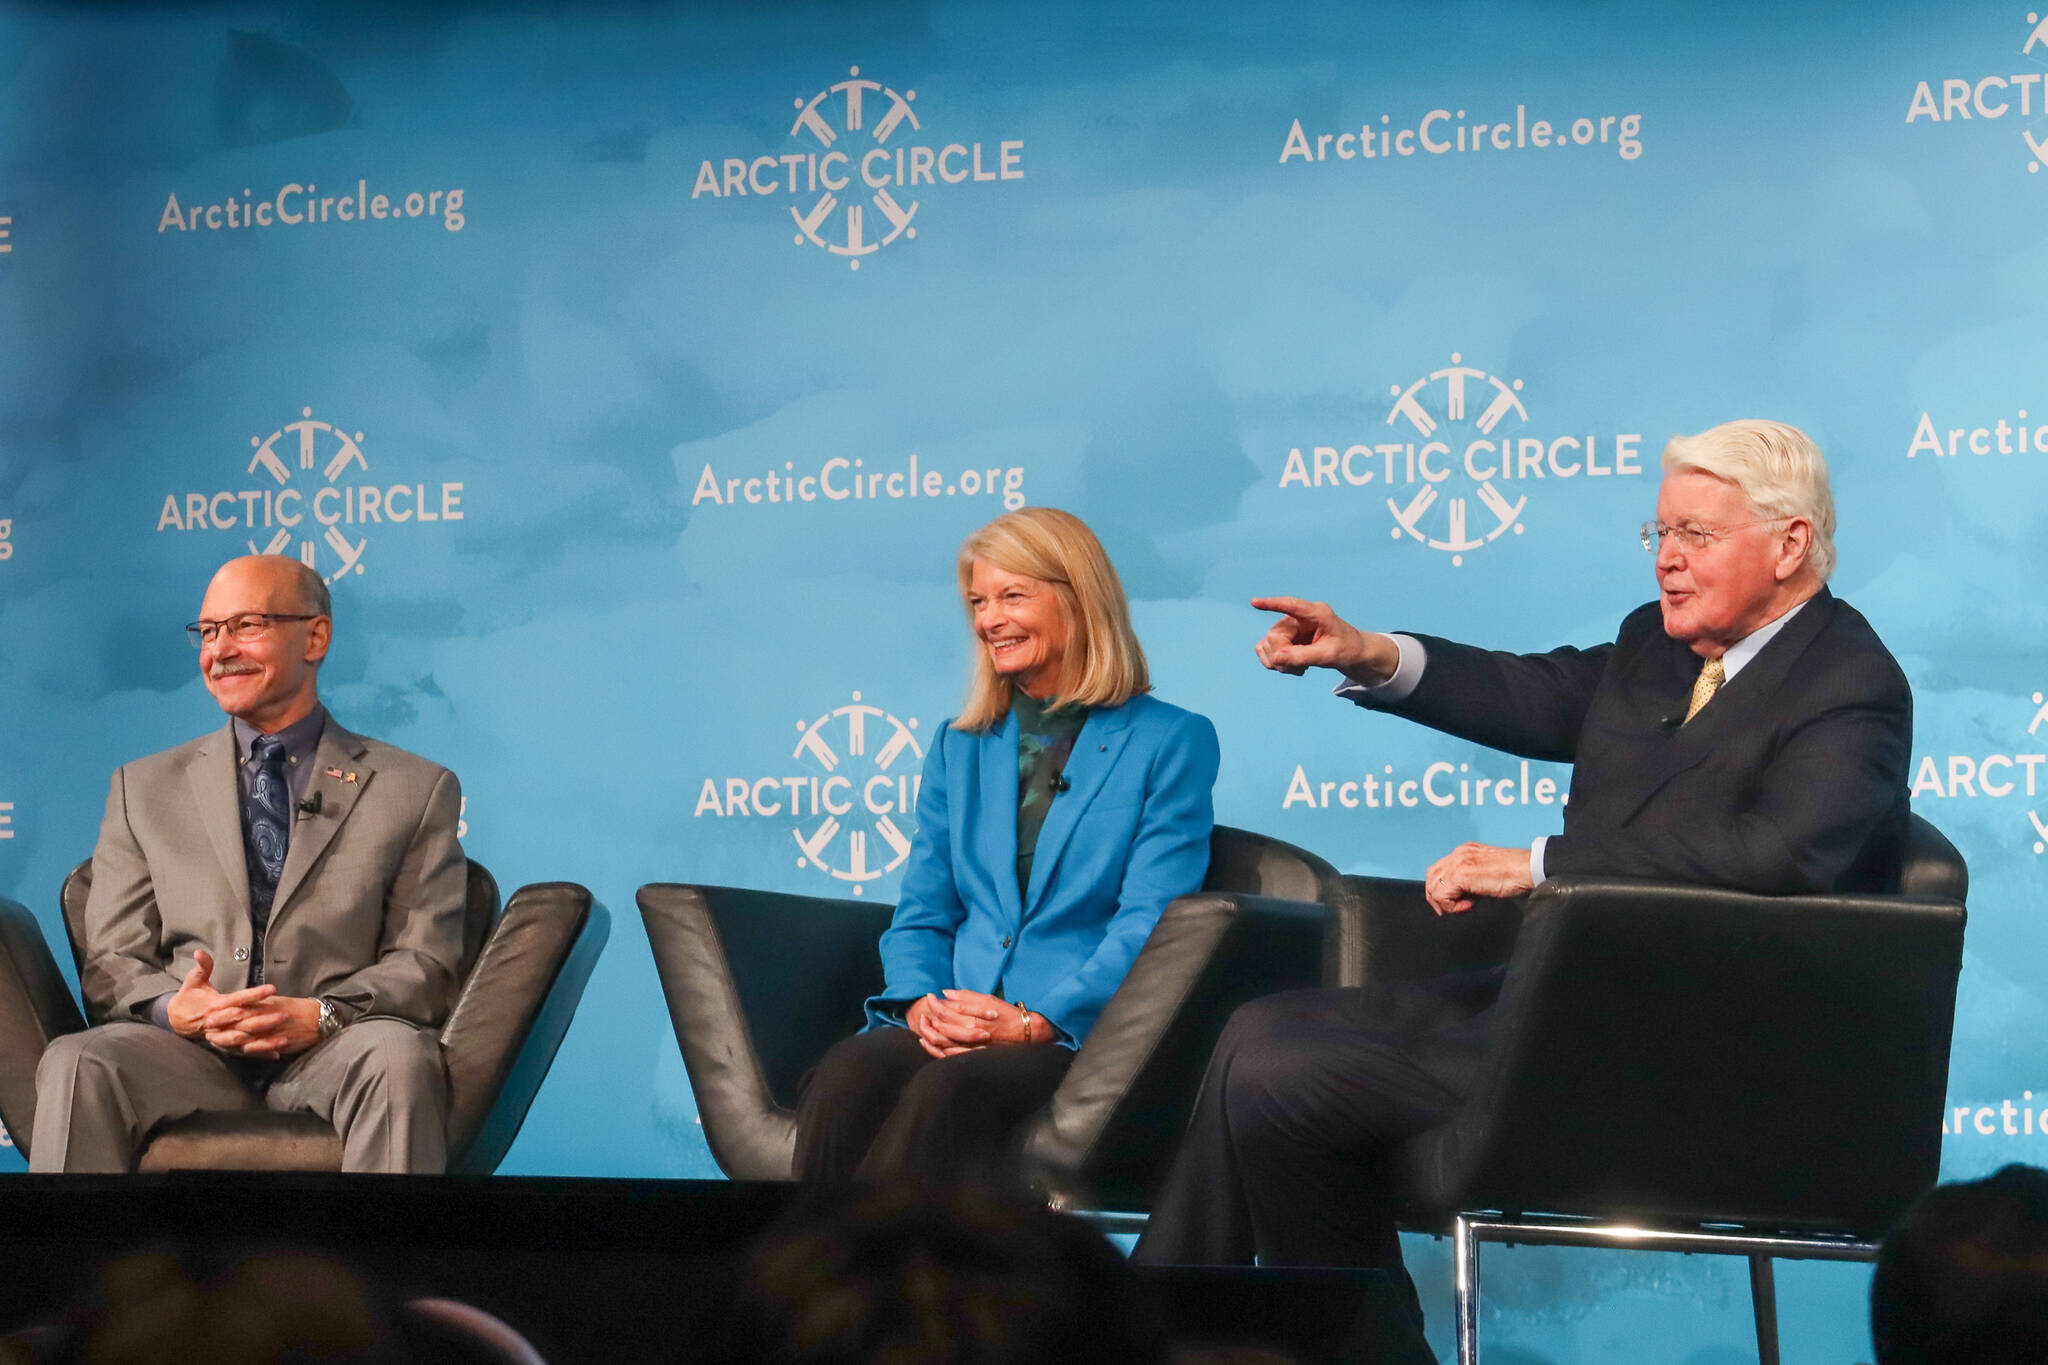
[957,1117]
[849,1096]
[1299,1102]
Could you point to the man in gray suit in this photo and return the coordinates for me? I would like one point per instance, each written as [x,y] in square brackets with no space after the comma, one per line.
[275,918]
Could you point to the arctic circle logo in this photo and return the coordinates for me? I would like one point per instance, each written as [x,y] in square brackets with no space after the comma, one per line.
[1983,99]
[851,803]
[858,168]
[313,498]
[1457,459]
[827,212]
[1451,526]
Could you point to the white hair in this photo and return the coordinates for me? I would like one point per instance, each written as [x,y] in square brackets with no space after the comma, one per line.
[1778,468]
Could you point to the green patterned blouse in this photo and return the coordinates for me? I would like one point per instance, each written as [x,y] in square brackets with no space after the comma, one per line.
[1044,740]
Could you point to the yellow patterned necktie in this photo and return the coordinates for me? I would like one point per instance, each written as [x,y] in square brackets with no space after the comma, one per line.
[1705,686]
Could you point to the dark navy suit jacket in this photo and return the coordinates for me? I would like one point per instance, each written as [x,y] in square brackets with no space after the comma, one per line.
[1793,779]
[1130,834]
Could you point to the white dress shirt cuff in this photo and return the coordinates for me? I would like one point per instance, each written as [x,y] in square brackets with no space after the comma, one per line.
[1402,681]
[1536,860]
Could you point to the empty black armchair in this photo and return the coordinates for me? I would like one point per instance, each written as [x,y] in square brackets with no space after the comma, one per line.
[527,970]
[1683,1068]
[760,985]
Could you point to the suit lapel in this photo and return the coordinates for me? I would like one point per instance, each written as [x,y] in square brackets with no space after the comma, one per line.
[998,757]
[217,796]
[1096,748]
[1734,706]
[1762,677]
[339,750]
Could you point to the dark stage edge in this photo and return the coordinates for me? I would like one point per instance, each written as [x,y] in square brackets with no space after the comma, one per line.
[589,1270]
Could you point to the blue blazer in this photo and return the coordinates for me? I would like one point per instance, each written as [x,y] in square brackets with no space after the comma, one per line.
[1130,834]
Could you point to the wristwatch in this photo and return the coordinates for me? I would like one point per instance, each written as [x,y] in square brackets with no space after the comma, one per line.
[330,1019]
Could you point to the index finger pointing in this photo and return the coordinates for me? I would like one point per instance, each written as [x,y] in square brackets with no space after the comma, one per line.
[1291,606]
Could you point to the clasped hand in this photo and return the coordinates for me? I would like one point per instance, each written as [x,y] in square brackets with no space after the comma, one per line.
[253,1022]
[956,1021]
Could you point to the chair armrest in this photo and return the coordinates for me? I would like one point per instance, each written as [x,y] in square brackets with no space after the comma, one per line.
[1120,1111]
[759,985]
[1747,1058]
[35,1007]
[1383,930]
[508,1023]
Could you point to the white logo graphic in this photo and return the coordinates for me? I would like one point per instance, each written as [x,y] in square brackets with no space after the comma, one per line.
[313,498]
[1458,454]
[840,479]
[1441,132]
[1996,776]
[462,820]
[6,538]
[827,211]
[6,235]
[6,819]
[294,205]
[853,802]
[2009,1117]
[2000,438]
[1987,98]
[858,169]
[1441,783]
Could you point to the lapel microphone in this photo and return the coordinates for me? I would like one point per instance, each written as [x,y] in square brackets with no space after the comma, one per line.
[311,805]
[1060,784]
[1672,721]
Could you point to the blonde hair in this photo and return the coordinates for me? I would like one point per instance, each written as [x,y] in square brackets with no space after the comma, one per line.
[1779,470]
[1104,664]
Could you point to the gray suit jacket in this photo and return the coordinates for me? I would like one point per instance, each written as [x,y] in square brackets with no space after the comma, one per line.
[368,910]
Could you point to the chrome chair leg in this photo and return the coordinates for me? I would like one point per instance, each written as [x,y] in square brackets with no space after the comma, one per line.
[1465,1251]
[1761,1249]
[1763,1297]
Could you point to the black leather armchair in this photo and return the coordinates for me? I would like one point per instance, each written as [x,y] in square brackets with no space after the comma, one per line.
[1684,1069]
[525,972]
[761,984]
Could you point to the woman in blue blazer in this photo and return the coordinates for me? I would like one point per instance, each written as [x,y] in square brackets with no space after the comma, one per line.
[1059,813]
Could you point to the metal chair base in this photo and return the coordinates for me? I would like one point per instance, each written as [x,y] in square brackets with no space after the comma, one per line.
[1470,1229]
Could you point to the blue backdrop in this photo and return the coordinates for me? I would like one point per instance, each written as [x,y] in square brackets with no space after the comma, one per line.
[635,371]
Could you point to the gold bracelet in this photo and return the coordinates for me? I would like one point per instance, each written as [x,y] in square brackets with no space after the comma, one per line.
[1024,1013]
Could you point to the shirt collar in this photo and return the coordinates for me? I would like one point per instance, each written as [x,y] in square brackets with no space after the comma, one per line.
[1749,646]
[300,738]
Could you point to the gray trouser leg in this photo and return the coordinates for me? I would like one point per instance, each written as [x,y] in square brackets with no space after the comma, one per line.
[384,1087]
[100,1092]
